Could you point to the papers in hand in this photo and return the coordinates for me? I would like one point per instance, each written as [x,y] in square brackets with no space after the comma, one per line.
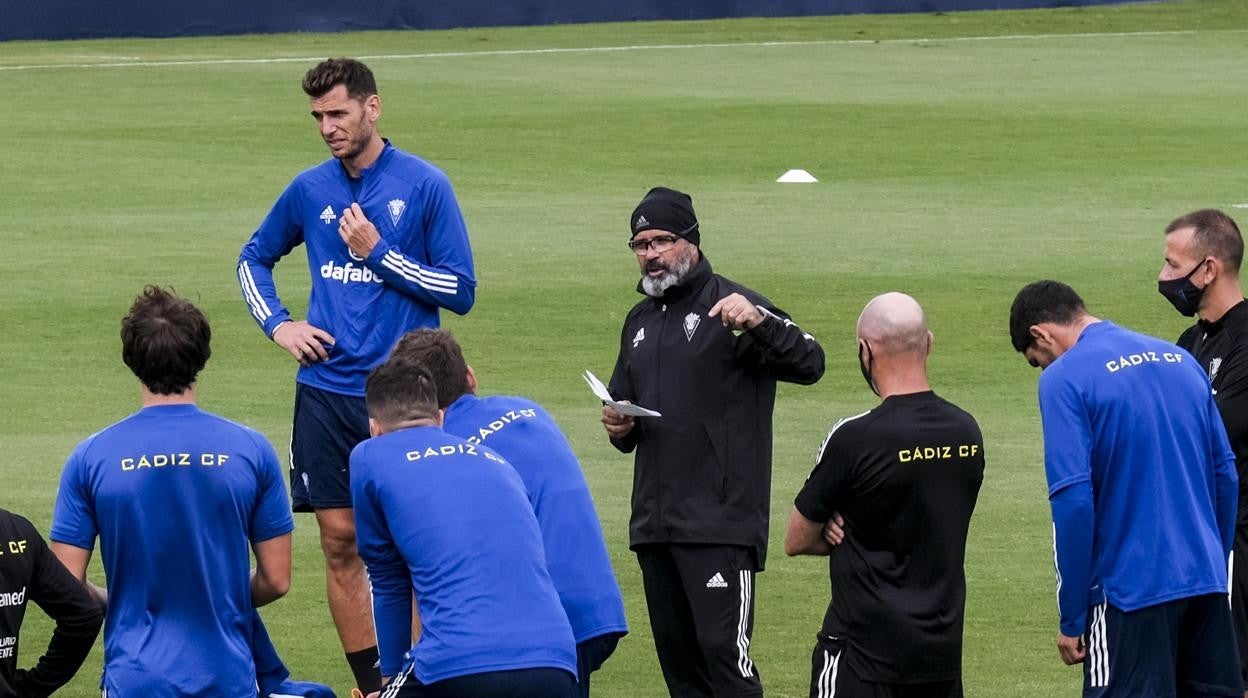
[624,408]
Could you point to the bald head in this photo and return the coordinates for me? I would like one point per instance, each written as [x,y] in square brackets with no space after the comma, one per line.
[894,324]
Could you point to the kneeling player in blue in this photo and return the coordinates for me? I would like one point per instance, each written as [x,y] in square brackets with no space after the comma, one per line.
[176,496]
[451,522]
[523,433]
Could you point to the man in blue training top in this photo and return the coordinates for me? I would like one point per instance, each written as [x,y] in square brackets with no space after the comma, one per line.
[176,496]
[387,248]
[451,522]
[1143,490]
[523,433]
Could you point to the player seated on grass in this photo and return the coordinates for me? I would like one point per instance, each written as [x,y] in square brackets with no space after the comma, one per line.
[451,522]
[523,433]
[177,497]
[30,572]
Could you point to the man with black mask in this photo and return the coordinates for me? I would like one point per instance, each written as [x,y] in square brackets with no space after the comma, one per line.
[903,478]
[1200,277]
[706,353]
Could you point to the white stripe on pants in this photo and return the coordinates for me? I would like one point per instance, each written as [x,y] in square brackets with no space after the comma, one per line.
[1098,648]
[827,676]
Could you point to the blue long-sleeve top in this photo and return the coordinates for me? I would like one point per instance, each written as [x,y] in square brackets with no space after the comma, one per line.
[451,522]
[423,261]
[1142,480]
[576,554]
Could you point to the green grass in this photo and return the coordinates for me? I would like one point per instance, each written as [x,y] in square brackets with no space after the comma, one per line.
[954,170]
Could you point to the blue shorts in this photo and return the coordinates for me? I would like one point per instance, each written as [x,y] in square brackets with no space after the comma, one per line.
[1179,648]
[327,427]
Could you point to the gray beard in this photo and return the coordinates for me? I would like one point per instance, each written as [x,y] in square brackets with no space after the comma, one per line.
[656,286]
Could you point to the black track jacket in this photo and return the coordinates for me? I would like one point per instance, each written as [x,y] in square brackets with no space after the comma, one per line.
[29,571]
[703,470]
[1221,347]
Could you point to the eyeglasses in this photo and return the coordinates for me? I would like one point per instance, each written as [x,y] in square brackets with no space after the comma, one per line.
[659,243]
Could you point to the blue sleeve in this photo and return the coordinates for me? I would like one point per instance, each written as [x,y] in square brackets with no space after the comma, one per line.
[447,280]
[1068,468]
[271,517]
[1226,478]
[387,571]
[1067,432]
[277,235]
[1073,519]
[73,517]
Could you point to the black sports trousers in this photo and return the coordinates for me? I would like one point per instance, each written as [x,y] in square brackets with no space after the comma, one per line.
[832,677]
[701,604]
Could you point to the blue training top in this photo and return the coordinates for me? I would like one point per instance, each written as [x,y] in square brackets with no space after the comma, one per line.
[452,521]
[176,496]
[422,262]
[1141,477]
[576,554]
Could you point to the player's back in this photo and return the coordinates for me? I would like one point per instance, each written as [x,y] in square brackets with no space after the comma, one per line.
[462,522]
[176,495]
[917,463]
[576,554]
[1154,434]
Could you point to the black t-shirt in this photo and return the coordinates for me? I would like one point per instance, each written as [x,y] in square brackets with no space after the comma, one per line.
[29,571]
[905,476]
[1222,349]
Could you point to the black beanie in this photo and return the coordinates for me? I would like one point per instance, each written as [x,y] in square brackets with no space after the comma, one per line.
[666,209]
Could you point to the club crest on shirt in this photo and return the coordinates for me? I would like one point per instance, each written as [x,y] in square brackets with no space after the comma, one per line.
[639,337]
[692,320]
[1214,365]
[396,208]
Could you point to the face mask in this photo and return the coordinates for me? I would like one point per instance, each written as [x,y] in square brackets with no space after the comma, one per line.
[1182,293]
[865,365]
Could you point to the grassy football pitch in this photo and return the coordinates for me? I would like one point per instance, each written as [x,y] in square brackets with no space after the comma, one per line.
[959,157]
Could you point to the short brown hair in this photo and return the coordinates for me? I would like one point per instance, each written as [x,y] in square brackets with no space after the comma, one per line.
[165,341]
[1216,236]
[437,351]
[400,390]
[331,72]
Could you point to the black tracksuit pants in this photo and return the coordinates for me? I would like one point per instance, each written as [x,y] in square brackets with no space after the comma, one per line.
[701,604]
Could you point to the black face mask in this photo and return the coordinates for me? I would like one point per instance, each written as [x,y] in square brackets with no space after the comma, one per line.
[865,365]
[1182,293]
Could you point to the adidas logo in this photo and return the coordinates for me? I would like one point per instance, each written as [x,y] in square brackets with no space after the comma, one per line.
[639,337]
[716,582]
[328,215]
[641,223]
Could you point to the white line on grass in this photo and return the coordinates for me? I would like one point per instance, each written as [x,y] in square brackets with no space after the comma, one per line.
[102,57]
[129,62]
